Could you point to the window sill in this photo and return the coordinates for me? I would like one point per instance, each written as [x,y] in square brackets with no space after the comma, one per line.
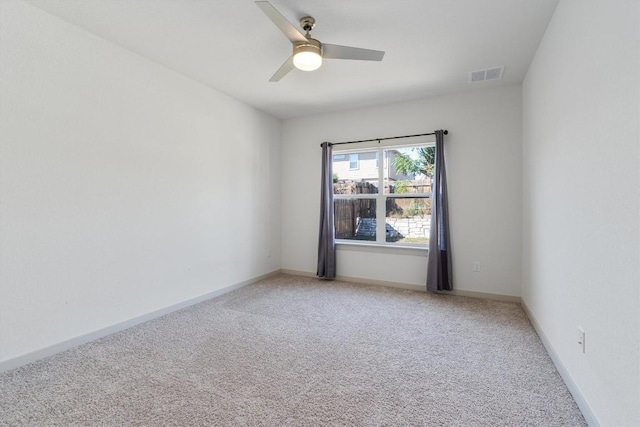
[378,248]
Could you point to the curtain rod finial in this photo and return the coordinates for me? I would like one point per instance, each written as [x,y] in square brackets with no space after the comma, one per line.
[446,132]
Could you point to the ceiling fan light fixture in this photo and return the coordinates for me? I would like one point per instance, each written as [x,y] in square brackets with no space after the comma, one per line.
[307,56]
[307,51]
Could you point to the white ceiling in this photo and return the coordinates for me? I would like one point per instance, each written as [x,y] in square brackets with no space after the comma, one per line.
[231,46]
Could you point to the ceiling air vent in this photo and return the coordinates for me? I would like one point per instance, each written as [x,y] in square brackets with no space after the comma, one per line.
[486,74]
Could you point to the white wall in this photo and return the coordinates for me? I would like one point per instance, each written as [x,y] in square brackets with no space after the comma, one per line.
[483,154]
[581,200]
[124,187]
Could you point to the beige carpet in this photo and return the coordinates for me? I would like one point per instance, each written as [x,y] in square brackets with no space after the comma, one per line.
[301,352]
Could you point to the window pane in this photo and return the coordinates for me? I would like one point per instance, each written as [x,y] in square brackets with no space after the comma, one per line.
[361,179]
[355,219]
[408,220]
[360,166]
[353,161]
[410,169]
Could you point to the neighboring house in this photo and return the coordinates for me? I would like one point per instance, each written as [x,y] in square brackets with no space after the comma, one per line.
[364,166]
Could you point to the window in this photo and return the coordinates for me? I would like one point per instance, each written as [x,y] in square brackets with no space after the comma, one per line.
[378,160]
[353,161]
[399,193]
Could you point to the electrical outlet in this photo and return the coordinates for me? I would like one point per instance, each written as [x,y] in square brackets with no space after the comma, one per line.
[476,266]
[581,338]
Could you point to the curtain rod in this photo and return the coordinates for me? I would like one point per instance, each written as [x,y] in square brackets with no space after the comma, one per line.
[446,132]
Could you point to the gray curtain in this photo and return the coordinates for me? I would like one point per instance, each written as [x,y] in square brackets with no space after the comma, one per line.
[439,273]
[326,238]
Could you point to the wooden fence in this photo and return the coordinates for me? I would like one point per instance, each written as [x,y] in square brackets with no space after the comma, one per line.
[347,212]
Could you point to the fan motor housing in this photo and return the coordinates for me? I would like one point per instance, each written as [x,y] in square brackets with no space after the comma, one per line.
[311,45]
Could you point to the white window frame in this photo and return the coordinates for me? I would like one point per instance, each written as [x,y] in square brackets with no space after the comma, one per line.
[381,197]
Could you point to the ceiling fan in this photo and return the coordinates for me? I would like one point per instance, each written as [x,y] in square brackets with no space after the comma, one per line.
[308,52]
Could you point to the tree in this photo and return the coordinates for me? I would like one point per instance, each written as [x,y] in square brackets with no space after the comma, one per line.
[421,164]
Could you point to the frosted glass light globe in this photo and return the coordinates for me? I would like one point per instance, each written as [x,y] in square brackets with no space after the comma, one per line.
[307,57]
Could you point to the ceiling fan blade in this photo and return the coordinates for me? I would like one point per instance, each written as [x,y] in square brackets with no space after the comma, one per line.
[281,22]
[283,70]
[334,51]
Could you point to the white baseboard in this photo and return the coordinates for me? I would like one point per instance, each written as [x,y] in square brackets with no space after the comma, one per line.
[100,333]
[421,288]
[562,370]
